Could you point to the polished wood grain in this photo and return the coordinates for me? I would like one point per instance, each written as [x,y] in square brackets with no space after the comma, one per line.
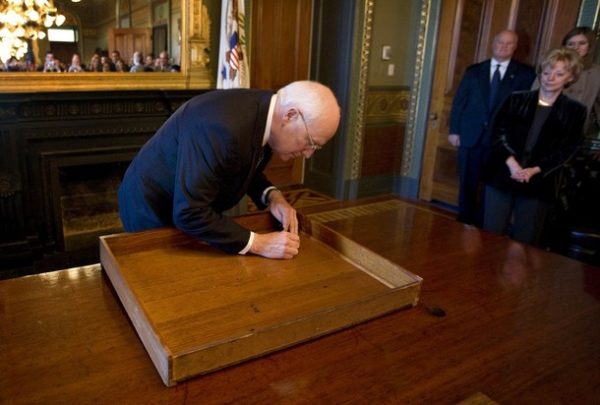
[198,310]
[496,318]
[280,54]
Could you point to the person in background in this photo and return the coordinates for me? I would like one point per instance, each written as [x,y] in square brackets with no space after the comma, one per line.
[482,88]
[13,65]
[149,63]
[162,62]
[213,150]
[137,65]
[51,64]
[120,66]
[118,62]
[107,64]
[535,132]
[586,89]
[75,65]
[579,197]
[95,64]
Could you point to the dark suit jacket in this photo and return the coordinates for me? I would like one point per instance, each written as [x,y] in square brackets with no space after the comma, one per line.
[558,139]
[471,111]
[200,163]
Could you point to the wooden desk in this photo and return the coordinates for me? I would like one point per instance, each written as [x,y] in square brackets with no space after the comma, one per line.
[520,325]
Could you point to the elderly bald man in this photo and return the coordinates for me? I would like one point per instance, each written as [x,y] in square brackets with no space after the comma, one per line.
[213,150]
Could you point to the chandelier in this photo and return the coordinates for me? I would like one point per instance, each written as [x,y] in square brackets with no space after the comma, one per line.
[24,20]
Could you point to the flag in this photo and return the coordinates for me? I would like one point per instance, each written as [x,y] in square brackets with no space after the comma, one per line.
[233,63]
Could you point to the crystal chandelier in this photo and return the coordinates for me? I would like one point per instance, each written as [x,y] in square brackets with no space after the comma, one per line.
[23,20]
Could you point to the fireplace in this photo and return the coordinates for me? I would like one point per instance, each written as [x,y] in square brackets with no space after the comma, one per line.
[88,203]
[62,157]
[79,188]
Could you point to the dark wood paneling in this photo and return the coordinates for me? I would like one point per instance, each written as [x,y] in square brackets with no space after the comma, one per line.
[280,47]
[466,48]
[129,40]
[563,20]
[382,150]
[528,27]
[446,170]
[280,42]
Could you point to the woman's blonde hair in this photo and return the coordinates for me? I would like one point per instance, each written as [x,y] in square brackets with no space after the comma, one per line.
[569,57]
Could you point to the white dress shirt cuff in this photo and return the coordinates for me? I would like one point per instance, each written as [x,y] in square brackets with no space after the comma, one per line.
[265,193]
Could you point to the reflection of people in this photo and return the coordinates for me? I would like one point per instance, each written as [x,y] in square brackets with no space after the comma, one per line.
[535,132]
[137,65]
[213,150]
[149,63]
[75,65]
[472,111]
[51,64]
[95,63]
[162,62]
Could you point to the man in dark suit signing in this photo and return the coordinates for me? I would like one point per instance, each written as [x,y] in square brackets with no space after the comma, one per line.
[481,90]
[212,151]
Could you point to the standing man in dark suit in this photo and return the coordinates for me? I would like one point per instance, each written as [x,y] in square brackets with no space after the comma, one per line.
[212,151]
[481,90]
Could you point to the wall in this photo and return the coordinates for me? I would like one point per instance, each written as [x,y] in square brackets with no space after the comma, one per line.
[394,23]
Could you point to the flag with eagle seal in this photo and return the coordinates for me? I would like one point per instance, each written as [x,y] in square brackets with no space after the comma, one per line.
[233,63]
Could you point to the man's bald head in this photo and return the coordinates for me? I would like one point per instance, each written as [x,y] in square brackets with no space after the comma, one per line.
[317,104]
[504,45]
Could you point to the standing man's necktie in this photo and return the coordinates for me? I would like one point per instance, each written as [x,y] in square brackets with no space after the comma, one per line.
[494,86]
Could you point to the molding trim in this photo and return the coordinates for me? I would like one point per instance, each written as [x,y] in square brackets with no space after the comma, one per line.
[387,106]
[359,126]
[420,89]
[418,76]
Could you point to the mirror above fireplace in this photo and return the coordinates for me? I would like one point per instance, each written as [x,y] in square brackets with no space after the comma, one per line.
[182,27]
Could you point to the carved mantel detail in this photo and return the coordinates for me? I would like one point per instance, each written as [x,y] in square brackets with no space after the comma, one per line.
[10,183]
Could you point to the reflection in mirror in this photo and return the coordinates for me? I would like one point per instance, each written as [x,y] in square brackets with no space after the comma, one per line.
[182,28]
[96,35]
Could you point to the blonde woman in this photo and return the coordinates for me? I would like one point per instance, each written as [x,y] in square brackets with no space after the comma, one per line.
[534,134]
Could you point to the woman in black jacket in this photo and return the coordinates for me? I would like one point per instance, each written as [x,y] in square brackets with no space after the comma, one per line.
[535,133]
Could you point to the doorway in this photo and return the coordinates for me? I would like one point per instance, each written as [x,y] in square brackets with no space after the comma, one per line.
[159,39]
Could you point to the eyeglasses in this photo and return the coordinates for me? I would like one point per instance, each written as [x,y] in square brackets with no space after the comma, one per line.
[313,145]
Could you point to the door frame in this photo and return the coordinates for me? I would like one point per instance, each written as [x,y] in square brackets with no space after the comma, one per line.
[340,59]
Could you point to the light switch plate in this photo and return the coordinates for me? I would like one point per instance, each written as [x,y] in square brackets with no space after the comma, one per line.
[386,52]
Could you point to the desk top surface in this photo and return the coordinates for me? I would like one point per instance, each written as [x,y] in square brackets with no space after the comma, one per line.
[515,323]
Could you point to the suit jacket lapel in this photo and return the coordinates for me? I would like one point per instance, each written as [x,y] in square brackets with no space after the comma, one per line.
[484,82]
